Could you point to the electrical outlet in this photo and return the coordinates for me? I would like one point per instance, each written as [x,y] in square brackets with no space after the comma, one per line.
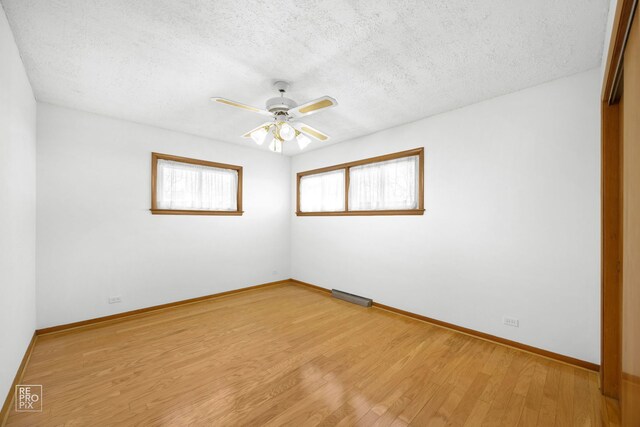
[114,300]
[511,321]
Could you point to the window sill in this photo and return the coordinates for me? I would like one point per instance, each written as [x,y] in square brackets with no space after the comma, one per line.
[364,213]
[186,212]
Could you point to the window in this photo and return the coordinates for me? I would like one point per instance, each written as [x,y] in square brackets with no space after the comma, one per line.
[384,185]
[182,186]
[322,192]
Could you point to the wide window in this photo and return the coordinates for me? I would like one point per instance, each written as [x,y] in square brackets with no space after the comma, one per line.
[384,185]
[188,186]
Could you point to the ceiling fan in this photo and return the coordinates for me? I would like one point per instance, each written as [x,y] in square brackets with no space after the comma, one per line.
[284,125]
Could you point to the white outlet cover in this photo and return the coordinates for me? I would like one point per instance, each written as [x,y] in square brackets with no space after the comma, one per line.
[511,321]
[116,299]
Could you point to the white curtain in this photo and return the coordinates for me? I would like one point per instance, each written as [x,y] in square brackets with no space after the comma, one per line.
[185,186]
[322,192]
[388,185]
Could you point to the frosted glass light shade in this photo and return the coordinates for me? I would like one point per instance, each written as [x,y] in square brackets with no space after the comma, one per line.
[303,141]
[259,135]
[276,145]
[287,132]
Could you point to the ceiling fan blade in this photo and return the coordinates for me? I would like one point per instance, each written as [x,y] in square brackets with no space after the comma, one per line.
[313,106]
[241,105]
[309,131]
[265,124]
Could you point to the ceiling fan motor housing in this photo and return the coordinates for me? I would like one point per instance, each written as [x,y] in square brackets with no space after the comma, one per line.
[280,104]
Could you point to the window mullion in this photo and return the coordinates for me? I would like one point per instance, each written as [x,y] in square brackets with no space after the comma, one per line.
[346,189]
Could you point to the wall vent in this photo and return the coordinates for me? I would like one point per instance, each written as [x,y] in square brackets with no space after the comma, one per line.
[356,299]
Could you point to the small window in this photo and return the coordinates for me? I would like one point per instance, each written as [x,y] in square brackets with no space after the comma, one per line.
[384,185]
[182,186]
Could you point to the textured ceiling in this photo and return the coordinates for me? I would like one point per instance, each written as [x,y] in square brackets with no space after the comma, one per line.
[386,62]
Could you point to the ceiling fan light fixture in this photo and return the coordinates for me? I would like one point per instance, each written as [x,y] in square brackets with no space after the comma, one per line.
[259,135]
[285,113]
[276,145]
[303,141]
[286,131]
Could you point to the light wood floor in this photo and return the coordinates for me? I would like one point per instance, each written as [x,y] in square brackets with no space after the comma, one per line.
[286,355]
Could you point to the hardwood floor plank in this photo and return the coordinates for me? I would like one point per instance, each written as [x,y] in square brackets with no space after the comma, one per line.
[581,400]
[533,400]
[549,403]
[565,414]
[505,391]
[478,414]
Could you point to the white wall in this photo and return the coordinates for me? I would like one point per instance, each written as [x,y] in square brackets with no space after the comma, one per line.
[97,238]
[511,227]
[17,208]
